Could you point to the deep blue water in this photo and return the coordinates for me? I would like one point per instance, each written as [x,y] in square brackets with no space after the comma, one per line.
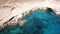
[39,22]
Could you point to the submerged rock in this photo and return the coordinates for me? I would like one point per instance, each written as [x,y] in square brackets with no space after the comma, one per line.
[39,21]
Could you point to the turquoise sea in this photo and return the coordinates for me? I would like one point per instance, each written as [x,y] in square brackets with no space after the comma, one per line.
[39,22]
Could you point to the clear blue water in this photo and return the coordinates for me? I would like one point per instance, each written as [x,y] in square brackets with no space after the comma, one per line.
[39,22]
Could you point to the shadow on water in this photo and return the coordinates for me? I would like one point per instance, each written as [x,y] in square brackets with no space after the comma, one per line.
[39,22]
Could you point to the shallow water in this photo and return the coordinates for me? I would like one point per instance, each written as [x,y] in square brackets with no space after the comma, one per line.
[39,22]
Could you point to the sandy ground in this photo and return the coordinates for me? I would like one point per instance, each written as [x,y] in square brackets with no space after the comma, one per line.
[7,12]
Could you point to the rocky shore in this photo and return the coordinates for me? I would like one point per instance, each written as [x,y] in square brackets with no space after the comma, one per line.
[8,10]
